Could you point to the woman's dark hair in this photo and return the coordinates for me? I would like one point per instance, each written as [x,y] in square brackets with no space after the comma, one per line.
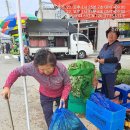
[43,57]
[113,29]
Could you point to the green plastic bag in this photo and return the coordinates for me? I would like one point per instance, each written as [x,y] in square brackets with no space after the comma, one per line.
[81,75]
[80,68]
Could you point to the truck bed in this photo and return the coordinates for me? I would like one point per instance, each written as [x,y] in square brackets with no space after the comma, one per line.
[33,50]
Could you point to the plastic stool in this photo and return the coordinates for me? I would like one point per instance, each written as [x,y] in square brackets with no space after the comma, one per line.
[124,90]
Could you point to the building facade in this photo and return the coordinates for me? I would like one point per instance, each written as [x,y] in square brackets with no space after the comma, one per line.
[103,25]
[94,30]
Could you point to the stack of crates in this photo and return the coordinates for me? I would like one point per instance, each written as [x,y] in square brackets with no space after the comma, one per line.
[76,105]
[105,119]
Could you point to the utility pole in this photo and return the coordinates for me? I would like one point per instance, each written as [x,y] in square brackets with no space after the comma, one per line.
[40,12]
[7,4]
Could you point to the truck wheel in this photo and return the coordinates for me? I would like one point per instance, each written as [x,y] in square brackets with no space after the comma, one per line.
[82,54]
[61,56]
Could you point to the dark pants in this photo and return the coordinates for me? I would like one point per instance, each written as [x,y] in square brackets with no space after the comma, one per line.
[108,83]
[7,50]
[47,106]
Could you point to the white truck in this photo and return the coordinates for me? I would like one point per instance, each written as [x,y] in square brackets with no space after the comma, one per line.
[71,45]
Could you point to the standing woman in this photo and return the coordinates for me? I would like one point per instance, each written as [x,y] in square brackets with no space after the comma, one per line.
[109,58]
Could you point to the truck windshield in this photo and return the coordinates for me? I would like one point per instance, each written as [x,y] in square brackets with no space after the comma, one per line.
[81,38]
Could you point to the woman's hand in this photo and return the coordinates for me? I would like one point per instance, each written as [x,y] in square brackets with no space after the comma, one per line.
[101,61]
[95,82]
[96,60]
[6,92]
[62,103]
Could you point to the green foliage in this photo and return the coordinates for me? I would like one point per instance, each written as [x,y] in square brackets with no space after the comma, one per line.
[81,75]
[98,74]
[14,52]
[123,76]
[81,86]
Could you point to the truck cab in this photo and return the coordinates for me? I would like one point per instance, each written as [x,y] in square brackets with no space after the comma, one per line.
[81,45]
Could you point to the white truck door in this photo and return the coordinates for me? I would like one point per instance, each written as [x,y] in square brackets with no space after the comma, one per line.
[83,46]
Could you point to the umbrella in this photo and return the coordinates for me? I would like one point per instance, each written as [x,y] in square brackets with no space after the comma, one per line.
[11,20]
[0,21]
[23,37]
[10,23]
[8,30]
[95,10]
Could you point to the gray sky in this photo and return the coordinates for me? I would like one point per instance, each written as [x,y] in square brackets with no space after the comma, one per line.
[27,6]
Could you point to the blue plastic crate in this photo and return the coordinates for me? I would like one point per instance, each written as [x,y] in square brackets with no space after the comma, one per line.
[127,105]
[105,119]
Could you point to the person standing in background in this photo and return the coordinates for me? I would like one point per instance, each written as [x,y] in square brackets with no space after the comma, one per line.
[2,48]
[7,47]
[108,59]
